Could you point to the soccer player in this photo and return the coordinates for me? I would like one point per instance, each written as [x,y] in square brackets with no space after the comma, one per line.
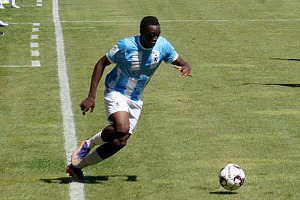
[136,60]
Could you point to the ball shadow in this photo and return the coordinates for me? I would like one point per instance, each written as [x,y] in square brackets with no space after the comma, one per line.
[223,192]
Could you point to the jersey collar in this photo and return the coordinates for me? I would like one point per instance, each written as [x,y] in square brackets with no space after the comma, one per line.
[140,44]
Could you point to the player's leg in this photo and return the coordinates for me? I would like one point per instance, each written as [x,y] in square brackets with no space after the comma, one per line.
[112,138]
[118,129]
[103,152]
[123,114]
[1,5]
[80,158]
[123,125]
[13,4]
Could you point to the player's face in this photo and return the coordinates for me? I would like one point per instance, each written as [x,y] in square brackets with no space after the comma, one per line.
[150,35]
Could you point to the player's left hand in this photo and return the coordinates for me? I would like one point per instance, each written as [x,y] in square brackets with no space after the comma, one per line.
[185,70]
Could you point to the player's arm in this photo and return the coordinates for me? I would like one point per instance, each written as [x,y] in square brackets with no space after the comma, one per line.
[182,66]
[89,102]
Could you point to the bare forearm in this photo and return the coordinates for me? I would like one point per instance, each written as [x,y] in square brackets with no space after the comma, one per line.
[97,75]
[180,62]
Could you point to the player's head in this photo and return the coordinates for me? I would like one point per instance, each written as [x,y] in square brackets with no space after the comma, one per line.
[150,31]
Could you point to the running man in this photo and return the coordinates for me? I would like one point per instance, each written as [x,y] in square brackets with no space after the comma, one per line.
[136,59]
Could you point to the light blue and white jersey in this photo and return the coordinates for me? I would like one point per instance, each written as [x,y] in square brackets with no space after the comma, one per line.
[135,65]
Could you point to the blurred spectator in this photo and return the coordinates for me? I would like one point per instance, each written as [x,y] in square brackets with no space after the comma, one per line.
[13,4]
[3,24]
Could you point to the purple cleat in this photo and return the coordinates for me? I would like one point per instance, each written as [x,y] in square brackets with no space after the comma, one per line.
[80,153]
[75,173]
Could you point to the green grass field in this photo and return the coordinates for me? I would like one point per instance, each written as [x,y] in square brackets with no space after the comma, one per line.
[241,105]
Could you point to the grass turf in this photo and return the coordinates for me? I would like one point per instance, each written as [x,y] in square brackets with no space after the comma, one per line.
[241,106]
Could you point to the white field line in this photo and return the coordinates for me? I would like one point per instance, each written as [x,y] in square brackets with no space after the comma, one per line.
[176,20]
[189,20]
[34,53]
[15,66]
[21,23]
[76,190]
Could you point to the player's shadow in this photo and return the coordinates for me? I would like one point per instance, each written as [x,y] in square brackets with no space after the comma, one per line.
[286,59]
[223,193]
[293,85]
[91,179]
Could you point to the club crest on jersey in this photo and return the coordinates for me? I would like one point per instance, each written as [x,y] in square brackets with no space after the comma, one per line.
[155,58]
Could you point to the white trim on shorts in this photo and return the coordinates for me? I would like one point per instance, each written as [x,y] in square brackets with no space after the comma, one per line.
[115,102]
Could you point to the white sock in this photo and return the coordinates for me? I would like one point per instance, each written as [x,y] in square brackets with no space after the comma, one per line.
[90,159]
[95,140]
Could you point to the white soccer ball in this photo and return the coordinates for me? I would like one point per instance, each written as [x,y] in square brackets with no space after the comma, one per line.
[231,177]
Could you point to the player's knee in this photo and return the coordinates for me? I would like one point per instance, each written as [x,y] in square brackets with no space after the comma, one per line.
[120,142]
[121,130]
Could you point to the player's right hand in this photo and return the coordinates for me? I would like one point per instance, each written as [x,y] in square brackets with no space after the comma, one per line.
[88,103]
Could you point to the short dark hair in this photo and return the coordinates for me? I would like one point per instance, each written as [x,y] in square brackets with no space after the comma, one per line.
[148,20]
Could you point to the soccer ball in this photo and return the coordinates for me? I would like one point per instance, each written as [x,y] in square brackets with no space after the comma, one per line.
[231,177]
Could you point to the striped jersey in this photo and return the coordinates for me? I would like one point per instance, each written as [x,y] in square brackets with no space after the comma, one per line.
[135,65]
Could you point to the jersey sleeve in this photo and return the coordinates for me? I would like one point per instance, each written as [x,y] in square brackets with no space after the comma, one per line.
[117,53]
[169,52]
